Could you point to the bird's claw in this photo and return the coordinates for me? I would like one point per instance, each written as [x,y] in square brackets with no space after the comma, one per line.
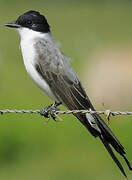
[45,111]
[49,111]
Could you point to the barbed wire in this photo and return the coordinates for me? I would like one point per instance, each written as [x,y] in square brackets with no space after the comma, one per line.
[107,113]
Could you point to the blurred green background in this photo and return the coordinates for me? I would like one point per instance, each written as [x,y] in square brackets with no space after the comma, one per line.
[30,149]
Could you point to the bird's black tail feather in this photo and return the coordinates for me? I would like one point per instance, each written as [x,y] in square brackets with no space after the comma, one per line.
[109,140]
[107,137]
[109,149]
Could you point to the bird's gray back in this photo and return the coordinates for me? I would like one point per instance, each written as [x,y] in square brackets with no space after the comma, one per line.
[54,67]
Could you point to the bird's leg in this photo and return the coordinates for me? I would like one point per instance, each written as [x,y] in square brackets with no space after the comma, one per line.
[47,112]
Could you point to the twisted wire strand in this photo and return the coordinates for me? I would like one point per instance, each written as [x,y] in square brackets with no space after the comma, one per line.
[105,112]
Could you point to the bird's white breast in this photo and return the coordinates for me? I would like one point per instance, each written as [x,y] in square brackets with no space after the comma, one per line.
[28,52]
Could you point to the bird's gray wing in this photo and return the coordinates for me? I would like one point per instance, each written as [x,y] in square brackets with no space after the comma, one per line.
[53,66]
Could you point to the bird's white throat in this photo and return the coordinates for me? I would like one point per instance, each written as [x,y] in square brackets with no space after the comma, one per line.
[26,33]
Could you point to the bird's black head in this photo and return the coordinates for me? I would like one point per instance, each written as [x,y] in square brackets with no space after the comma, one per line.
[32,20]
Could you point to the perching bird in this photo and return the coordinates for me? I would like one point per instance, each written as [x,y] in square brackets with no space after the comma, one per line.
[51,71]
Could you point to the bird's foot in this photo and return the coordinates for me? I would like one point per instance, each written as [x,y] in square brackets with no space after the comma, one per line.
[49,111]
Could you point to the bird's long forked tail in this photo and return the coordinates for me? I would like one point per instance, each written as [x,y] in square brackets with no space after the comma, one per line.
[109,149]
[107,137]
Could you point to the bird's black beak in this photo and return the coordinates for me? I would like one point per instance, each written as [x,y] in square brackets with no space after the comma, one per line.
[13,25]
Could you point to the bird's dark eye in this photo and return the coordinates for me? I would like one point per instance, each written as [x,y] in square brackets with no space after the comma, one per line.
[29,22]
